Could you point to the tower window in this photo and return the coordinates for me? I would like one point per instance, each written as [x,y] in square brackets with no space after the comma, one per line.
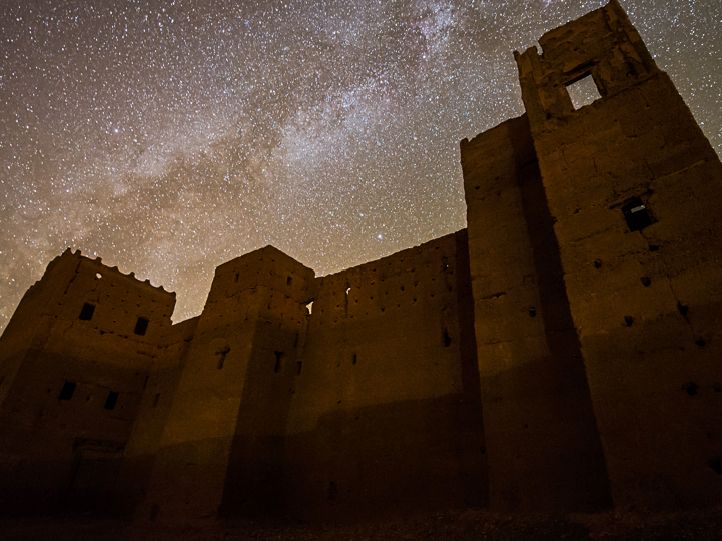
[87,311]
[583,91]
[111,401]
[141,326]
[67,390]
[637,214]
[277,365]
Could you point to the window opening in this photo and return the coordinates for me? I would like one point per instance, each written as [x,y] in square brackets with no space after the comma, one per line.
[141,326]
[354,359]
[446,338]
[87,311]
[636,214]
[309,308]
[289,279]
[111,400]
[299,365]
[222,353]
[583,91]
[98,276]
[277,365]
[67,391]
[238,275]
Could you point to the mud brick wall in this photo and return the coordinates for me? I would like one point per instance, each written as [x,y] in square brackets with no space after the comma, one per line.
[543,449]
[385,412]
[634,190]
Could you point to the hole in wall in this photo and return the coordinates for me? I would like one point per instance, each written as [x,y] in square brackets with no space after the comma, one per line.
[236,277]
[222,354]
[277,365]
[156,398]
[646,281]
[289,279]
[98,276]
[532,311]
[86,312]
[682,309]
[347,290]
[67,390]
[700,342]
[353,359]
[654,247]
[309,308]
[299,366]
[636,214]
[332,491]
[597,263]
[111,400]
[691,388]
[141,326]
[583,91]
[628,321]
[446,338]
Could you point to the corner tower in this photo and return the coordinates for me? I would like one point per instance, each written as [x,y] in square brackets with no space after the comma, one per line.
[633,188]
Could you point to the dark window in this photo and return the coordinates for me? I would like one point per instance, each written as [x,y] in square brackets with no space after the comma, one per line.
[86,312]
[446,338]
[637,214]
[222,354]
[155,399]
[111,401]
[299,365]
[277,365]
[141,326]
[289,280]
[66,392]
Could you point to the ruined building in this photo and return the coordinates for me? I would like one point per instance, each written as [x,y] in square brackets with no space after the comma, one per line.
[561,354]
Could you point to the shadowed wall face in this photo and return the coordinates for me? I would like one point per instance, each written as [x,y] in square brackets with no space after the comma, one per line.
[78,371]
[544,452]
[634,188]
[385,412]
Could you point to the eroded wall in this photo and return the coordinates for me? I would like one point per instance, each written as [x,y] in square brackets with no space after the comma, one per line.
[78,377]
[385,414]
[634,189]
[222,443]
[543,448]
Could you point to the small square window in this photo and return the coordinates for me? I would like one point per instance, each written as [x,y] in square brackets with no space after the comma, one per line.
[111,401]
[141,326]
[87,311]
[583,91]
[67,391]
[637,214]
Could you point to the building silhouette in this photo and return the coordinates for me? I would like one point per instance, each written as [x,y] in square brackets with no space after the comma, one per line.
[562,353]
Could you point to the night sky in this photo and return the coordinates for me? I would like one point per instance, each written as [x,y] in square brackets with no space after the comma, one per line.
[169,137]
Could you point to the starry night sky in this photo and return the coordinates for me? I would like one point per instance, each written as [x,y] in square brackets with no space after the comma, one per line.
[171,136]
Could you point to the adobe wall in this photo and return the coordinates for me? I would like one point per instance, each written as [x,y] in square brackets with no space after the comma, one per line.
[645,297]
[543,450]
[61,432]
[221,444]
[385,413]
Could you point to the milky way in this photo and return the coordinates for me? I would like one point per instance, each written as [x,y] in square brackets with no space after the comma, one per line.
[169,137]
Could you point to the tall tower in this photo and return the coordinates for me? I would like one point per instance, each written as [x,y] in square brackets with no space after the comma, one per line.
[634,190]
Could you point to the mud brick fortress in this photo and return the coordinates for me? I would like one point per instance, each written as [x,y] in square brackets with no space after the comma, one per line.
[563,353]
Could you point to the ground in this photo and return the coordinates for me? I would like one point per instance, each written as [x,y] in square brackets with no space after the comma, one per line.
[450,526]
